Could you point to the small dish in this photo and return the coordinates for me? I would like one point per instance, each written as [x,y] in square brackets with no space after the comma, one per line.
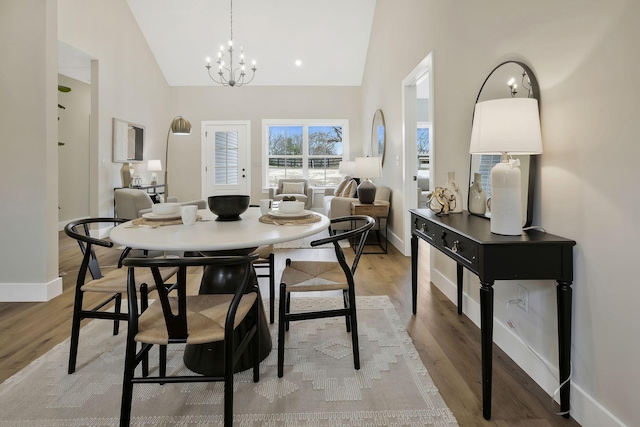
[279,214]
[157,217]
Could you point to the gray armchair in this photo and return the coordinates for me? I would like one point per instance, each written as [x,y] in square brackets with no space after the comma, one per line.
[132,203]
[298,187]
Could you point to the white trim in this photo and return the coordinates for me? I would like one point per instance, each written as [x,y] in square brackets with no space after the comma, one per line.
[409,145]
[30,292]
[584,408]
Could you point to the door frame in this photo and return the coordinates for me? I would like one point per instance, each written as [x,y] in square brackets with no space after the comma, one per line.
[409,146]
[203,150]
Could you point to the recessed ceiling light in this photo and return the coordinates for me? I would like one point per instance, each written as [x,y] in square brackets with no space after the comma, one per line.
[298,62]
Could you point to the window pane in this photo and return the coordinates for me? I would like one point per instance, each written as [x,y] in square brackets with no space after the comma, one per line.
[285,140]
[325,140]
[226,158]
[323,171]
[423,139]
[281,167]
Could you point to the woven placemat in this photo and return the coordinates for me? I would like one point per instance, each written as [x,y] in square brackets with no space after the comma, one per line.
[307,219]
[156,222]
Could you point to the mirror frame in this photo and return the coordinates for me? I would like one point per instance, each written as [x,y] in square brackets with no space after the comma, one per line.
[131,143]
[533,159]
[378,142]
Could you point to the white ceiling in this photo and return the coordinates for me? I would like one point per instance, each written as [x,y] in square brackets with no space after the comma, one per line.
[330,37]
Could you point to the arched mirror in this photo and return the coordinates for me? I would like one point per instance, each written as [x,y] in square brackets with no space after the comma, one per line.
[511,79]
[378,136]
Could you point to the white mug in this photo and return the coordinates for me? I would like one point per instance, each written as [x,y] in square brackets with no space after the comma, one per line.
[189,214]
[265,206]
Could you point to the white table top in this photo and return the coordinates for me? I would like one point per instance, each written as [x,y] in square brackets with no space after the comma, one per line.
[211,235]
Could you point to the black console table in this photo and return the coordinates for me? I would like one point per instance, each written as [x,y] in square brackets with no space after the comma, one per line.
[535,255]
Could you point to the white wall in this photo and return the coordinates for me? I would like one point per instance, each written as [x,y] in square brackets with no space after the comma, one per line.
[29,165]
[585,57]
[130,85]
[73,156]
[253,103]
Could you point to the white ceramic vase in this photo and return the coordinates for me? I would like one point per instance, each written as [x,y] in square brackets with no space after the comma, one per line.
[477,196]
[455,190]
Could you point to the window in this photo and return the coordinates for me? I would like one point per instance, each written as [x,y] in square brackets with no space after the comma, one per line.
[423,138]
[310,149]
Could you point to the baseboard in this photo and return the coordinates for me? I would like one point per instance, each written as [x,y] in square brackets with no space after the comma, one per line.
[395,241]
[584,408]
[30,292]
[63,224]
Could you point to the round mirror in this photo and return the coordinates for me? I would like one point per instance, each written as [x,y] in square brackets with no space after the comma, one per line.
[510,79]
[378,136]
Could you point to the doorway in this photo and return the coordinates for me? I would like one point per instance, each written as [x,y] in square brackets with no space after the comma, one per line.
[417,116]
[226,158]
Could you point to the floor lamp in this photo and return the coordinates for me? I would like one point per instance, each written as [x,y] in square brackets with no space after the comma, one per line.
[179,126]
[506,126]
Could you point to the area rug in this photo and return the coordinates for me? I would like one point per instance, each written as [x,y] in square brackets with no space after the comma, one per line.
[320,386]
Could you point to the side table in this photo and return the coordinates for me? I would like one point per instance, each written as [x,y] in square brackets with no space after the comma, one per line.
[379,210]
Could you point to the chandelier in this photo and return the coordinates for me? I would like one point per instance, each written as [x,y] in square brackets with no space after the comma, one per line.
[236,75]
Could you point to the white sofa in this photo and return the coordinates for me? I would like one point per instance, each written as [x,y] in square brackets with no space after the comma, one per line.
[335,206]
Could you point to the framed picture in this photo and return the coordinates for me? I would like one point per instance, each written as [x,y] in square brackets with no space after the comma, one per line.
[128,141]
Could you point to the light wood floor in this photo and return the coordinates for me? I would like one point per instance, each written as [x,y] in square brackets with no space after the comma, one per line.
[448,344]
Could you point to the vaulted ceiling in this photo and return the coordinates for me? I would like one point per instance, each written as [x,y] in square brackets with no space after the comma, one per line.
[329,37]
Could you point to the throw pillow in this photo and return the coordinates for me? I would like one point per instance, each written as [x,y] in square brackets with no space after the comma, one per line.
[350,189]
[340,188]
[293,188]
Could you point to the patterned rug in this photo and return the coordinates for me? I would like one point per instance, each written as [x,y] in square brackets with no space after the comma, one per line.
[319,387]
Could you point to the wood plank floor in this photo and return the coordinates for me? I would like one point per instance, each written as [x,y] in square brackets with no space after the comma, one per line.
[448,344]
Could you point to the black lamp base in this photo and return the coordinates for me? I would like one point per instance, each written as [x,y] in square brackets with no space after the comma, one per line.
[366,192]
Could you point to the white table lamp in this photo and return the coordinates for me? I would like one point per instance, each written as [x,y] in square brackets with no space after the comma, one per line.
[506,126]
[365,168]
[347,167]
[154,166]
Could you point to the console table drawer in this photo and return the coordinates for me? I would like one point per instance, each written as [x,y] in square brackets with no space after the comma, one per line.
[461,249]
[425,229]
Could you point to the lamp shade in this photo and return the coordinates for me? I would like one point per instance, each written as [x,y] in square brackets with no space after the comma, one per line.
[347,167]
[509,125]
[368,167]
[181,126]
[154,165]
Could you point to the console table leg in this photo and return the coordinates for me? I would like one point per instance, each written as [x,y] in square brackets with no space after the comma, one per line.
[414,272]
[486,339]
[564,297]
[459,286]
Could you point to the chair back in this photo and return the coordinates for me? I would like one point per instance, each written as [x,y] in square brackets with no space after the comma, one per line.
[359,233]
[81,231]
[235,271]
[130,201]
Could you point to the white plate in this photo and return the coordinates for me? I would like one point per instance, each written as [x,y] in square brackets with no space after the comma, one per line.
[279,214]
[152,216]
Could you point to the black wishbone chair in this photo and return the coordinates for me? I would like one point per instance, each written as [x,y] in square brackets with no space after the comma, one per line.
[112,283]
[315,276]
[175,318]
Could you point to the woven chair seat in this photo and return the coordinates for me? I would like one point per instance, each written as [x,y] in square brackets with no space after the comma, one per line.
[312,276]
[206,316]
[115,281]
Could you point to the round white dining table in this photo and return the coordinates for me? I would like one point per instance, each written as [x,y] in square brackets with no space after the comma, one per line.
[211,237]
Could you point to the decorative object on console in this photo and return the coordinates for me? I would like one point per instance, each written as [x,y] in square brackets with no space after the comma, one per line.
[452,186]
[179,126]
[154,166]
[125,174]
[367,167]
[232,80]
[477,196]
[441,200]
[505,126]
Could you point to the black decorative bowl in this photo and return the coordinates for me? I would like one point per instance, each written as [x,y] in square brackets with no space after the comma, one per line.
[228,207]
